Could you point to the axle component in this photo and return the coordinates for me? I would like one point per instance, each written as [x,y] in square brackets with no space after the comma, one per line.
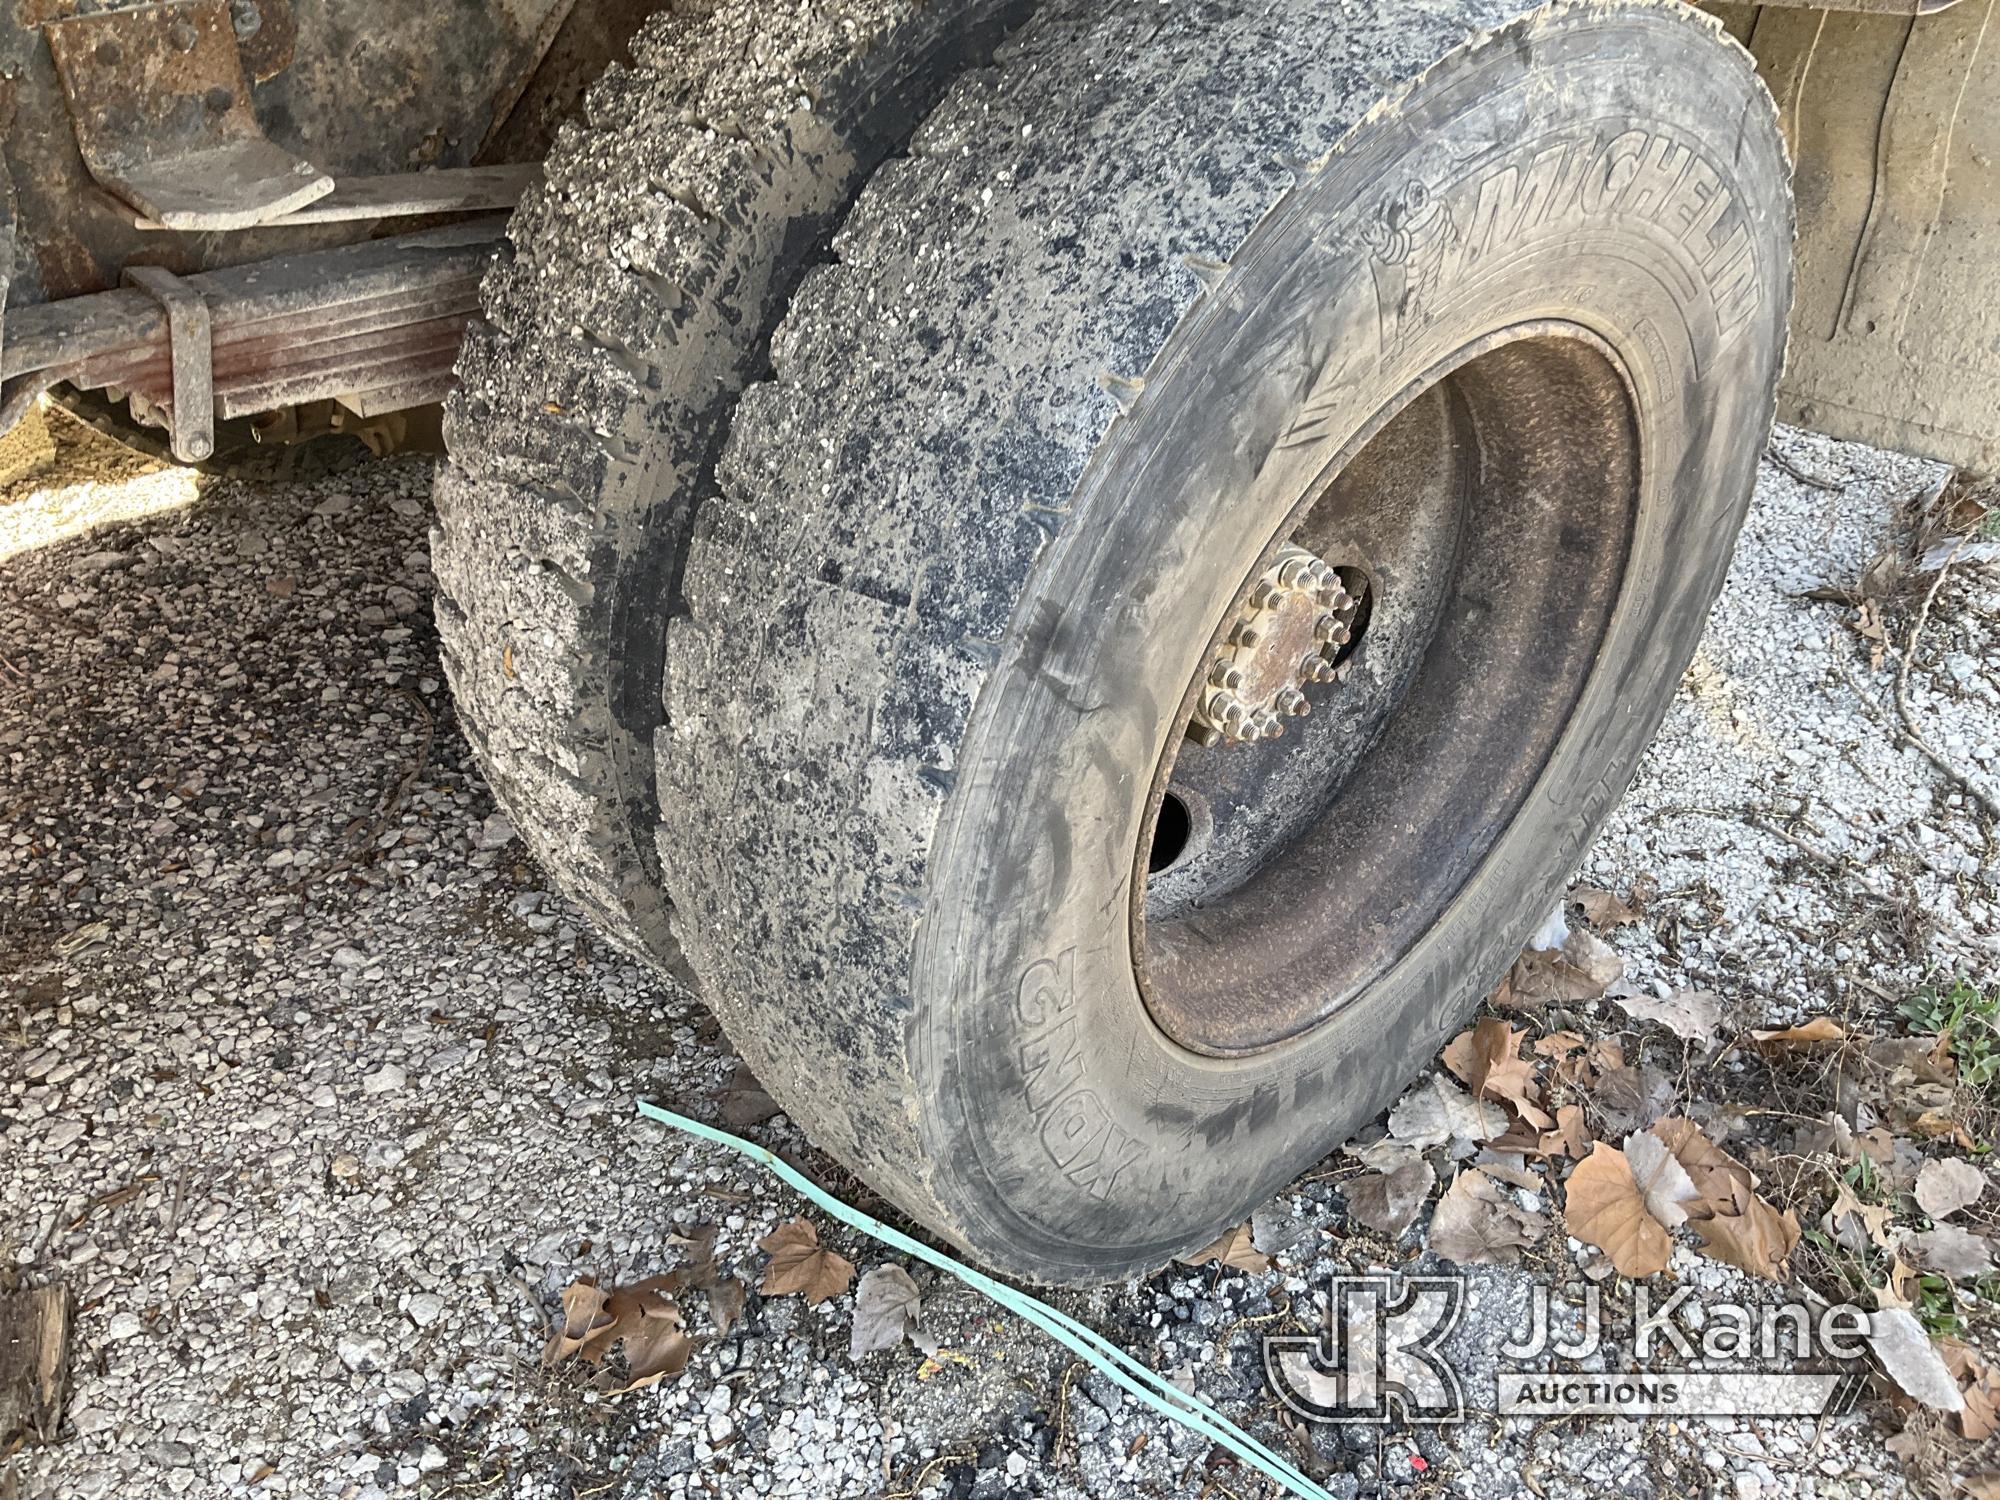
[1291,633]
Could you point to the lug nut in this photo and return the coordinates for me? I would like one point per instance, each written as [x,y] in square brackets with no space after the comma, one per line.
[1331,630]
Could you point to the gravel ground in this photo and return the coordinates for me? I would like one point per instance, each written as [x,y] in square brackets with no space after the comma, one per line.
[317,1097]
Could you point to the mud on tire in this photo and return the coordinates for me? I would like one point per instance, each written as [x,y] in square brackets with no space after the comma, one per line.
[1137,300]
[643,281]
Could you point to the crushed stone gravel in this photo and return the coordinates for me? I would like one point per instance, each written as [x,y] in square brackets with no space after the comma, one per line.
[317,1097]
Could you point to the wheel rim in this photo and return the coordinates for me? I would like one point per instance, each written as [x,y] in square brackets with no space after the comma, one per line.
[1478,529]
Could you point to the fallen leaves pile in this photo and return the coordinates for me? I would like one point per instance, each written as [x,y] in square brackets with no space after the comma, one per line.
[642,1322]
[644,1327]
[1536,1133]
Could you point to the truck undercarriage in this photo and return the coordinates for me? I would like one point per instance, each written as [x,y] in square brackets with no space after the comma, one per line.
[129,164]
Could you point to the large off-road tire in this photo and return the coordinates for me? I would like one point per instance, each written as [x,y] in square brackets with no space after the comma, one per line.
[1482,309]
[644,278]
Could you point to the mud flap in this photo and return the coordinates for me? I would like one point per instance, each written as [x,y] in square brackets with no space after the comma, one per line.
[1893,122]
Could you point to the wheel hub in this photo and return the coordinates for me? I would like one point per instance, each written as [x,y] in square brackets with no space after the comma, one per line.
[1293,630]
[1464,560]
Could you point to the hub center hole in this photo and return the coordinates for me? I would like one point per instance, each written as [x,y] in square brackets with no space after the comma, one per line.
[1355,581]
[1170,834]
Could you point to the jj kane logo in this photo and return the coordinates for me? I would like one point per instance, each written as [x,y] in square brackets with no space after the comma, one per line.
[1386,1352]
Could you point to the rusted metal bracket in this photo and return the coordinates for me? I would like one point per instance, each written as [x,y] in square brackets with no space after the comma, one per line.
[1876,7]
[161,106]
[406,195]
[190,408]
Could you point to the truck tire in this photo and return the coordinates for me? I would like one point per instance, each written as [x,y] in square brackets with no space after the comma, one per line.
[1435,342]
[645,276]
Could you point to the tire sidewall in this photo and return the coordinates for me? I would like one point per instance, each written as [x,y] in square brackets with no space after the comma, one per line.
[1072,1137]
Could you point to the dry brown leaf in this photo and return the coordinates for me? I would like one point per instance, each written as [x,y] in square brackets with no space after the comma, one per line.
[1867,623]
[1435,1110]
[1594,963]
[1477,1223]
[656,1347]
[743,1102]
[1603,910]
[1559,1044]
[1663,1181]
[1691,1015]
[800,1263]
[1629,1099]
[725,1302]
[1946,1184]
[1571,1137]
[1758,1240]
[1725,1184]
[1855,1225]
[1510,1167]
[584,1316]
[1878,1144]
[1386,1202]
[1487,1060]
[1951,1252]
[886,1308]
[1942,1125]
[1582,969]
[1899,1287]
[1909,1445]
[1233,1247]
[1820,1032]
[1978,1384]
[1604,1206]
[641,1319]
[1914,1059]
